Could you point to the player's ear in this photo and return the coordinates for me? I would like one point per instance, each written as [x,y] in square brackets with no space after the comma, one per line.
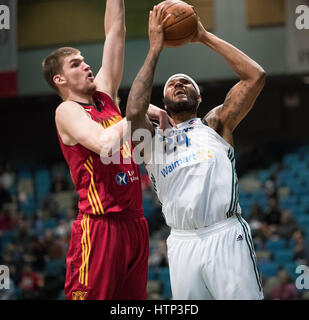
[199,99]
[58,79]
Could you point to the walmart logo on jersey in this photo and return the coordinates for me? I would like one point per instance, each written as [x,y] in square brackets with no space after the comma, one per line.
[191,159]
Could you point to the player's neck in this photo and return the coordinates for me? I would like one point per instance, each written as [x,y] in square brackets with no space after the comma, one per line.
[183,117]
[83,98]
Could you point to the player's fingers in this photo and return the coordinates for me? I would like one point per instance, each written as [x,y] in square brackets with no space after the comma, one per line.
[165,19]
[155,11]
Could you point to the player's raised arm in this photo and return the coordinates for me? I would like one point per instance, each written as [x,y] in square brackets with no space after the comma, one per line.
[140,93]
[109,76]
[76,127]
[242,96]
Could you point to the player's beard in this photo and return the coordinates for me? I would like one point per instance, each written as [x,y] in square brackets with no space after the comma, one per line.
[91,89]
[190,105]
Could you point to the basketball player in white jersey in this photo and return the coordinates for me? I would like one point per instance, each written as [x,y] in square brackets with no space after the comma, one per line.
[210,250]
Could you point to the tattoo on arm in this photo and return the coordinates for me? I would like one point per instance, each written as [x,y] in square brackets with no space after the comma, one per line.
[139,97]
[238,103]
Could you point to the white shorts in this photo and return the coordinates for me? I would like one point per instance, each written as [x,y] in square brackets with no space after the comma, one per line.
[217,262]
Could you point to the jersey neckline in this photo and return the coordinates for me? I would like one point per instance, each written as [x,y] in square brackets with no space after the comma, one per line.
[182,124]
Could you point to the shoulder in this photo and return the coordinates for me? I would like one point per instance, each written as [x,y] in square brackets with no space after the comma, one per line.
[212,119]
[65,105]
[67,108]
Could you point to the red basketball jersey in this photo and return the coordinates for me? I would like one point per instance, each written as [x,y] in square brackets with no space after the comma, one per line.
[104,188]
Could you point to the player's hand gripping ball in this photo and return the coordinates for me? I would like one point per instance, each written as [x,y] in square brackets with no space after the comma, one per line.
[181,26]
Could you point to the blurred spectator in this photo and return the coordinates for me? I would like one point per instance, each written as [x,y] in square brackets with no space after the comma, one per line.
[29,284]
[49,207]
[5,196]
[39,252]
[287,225]
[301,251]
[6,220]
[158,258]
[7,178]
[37,225]
[270,186]
[255,217]
[58,184]
[273,214]
[285,290]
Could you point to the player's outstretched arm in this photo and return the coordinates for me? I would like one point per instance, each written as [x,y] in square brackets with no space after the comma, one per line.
[140,93]
[240,99]
[110,74]
[75,126]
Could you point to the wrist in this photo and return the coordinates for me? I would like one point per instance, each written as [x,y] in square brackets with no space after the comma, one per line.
[155,50]
[205,37]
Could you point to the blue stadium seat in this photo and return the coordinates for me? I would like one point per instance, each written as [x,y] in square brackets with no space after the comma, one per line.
[263,175]
[148,207]
[291,268]
[303,220]
[54,268]
[152,274]
[49,223]
[268,269]
[290,159]
[274,245]
[289,203]
[24,174]
[7,237]
[43,184]
[164,278]
[283,256]
[28,207]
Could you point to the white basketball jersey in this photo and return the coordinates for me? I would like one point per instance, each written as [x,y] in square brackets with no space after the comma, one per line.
[192,169]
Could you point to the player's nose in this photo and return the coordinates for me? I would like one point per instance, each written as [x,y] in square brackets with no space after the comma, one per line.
[86,67]
[178,84]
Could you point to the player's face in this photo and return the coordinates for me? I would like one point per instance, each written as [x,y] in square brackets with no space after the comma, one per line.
[181,96]
[78,75]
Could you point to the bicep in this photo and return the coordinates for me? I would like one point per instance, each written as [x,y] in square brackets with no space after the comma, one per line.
[73,122]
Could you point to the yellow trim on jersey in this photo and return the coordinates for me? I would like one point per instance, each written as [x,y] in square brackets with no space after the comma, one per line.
[86,247]
[93,194]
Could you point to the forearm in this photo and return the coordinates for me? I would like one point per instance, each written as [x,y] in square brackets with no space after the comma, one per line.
[140,93]
[114,21]
[245,67]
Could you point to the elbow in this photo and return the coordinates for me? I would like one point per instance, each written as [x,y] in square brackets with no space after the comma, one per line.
[117,30]
[260,77]
[132,115]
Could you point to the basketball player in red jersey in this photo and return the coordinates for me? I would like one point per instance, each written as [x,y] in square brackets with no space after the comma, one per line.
[108,253]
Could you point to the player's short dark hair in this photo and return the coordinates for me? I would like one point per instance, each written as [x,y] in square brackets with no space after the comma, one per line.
[53,64]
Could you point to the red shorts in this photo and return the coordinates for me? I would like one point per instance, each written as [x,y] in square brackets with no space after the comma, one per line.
[108,257]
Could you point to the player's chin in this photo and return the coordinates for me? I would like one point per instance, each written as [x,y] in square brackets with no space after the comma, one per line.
[92,87]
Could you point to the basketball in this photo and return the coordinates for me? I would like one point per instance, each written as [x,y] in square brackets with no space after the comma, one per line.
[181,26]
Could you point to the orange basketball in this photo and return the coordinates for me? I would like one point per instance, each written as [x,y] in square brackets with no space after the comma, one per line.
[181,26]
